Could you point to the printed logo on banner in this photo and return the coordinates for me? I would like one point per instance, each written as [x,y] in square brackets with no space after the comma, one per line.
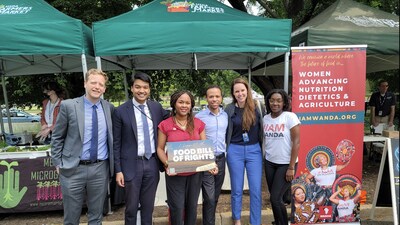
[185,6]
[325,212]
[14,9]
[9,186]
[29,184]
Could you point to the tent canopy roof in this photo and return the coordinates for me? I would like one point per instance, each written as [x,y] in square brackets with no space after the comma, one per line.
[31,27]
[347,22]
[178,34]
[37,38]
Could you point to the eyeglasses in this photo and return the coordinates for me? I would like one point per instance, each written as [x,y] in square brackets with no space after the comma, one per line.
[272,101]
[385,85]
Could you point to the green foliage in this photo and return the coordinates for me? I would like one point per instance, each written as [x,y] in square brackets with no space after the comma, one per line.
[90,11]
[391,76]
[301,11]
[26,90]
[115,87]
[161,83]
[224,78]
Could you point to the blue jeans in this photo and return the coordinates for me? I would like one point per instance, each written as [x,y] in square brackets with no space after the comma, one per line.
[239,158]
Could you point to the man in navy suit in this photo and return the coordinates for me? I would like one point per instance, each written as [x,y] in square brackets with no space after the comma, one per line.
[135,141]
[81,150]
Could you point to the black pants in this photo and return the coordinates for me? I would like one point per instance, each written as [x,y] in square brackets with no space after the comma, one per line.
[277,186]
[182,196]
[211,189]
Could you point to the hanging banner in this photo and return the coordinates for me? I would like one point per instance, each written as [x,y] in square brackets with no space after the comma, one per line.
[328,97]
[29,185]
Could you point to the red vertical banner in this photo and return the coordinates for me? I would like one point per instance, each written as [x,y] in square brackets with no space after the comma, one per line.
[328,97]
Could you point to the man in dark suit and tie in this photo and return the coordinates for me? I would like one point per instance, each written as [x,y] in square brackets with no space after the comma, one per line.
[135,141]
[82,150]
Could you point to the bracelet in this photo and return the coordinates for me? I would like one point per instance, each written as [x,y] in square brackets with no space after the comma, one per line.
[290,168]
[166,163]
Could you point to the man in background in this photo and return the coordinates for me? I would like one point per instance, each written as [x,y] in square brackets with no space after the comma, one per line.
[382,105]
[216,121]
[81,150]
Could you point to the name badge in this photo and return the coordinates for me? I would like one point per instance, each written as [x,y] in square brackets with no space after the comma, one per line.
[245,136]
[380,113]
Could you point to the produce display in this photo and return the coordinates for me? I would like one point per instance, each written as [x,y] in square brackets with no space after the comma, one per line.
[25,148]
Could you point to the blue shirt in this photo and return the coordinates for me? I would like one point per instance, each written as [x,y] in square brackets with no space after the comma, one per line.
[140,131]
[216,125]
[102,153]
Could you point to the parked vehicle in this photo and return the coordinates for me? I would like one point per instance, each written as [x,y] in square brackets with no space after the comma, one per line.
[196,109]
[20,116]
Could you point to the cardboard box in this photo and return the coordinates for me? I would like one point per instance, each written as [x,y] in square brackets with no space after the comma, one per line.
[24,138]
[390,133]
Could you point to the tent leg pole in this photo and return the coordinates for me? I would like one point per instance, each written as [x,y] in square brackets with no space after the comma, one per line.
[286,75]
[98,62]
[249,71]
[125,86]
[1,73]
[84,65]
[3,83]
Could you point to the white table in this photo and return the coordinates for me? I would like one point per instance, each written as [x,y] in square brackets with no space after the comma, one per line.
[374,138]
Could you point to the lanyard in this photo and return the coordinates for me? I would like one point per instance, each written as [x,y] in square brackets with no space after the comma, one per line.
[142,112]
[382,100]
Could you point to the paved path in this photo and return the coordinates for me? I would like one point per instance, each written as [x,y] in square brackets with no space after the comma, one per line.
[383,216]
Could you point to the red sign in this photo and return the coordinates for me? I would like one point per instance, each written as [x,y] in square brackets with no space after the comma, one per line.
[328,98]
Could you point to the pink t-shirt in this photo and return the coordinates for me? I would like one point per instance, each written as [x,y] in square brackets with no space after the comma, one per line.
[174,133]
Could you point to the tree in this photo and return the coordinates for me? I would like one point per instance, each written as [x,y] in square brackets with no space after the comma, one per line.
[90,11]
[28,91]
[301,11]
[24,89]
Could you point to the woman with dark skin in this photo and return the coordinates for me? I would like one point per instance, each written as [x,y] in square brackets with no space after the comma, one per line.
[282,144]
[183,189]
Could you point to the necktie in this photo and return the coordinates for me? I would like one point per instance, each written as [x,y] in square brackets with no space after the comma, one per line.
[147,145]
[95,135]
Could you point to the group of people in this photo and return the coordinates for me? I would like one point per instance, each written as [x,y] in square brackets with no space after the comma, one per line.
[93,141]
